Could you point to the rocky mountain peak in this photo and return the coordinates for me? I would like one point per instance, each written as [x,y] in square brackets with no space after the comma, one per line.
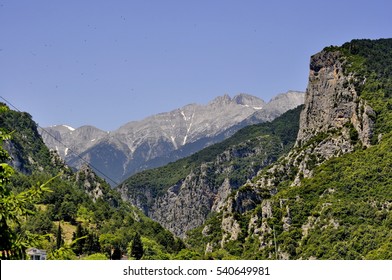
[221,100]
[249,100]
[240,99]
[62,138]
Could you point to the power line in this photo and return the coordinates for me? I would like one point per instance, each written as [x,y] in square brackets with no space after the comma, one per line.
[69,149]
[9,103]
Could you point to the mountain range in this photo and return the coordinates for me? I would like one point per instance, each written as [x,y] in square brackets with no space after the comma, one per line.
[313,183]
[165,137]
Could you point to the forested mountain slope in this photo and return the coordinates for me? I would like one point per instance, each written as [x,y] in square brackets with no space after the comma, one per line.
[44,204]
[331,196]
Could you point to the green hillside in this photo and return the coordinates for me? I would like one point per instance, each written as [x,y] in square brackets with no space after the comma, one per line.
[46,205]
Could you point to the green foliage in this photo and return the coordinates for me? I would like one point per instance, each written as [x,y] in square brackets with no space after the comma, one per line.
[65,252]
[345,206]
[372,60]
[59,237]
[85,241]
[96,257]
[13,209]
[186,254]
[152,250]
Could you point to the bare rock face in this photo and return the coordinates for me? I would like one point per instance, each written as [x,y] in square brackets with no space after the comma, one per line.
[185,206]
[331,102]
[88,180]
[334,119]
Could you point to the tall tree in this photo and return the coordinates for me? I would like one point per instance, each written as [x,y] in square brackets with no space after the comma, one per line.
[137,250]
[59,238]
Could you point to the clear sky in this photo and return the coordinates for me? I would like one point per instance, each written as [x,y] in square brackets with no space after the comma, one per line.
[105,63]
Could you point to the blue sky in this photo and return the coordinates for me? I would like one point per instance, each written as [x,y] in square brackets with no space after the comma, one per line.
[105,63]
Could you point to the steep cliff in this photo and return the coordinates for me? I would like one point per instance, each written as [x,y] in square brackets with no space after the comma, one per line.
[332,102]
[320,199]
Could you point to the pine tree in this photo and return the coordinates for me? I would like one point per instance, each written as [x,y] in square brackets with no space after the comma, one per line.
[59,238]
[137,250]
[78,245]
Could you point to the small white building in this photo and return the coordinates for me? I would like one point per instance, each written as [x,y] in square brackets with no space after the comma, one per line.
[36,254]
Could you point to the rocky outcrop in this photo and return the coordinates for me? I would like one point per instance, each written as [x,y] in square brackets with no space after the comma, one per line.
[185,206]
[332,103]
[88,180]
[334,120]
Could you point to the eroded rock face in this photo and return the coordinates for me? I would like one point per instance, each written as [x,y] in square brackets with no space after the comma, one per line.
[331,101]
[88,180]
[334,116]
[187,203]
[184,206]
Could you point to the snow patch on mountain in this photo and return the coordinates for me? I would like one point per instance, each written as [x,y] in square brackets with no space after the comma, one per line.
[69,127]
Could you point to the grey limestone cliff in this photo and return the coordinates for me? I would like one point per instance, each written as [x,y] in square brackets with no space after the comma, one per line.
[332,102]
